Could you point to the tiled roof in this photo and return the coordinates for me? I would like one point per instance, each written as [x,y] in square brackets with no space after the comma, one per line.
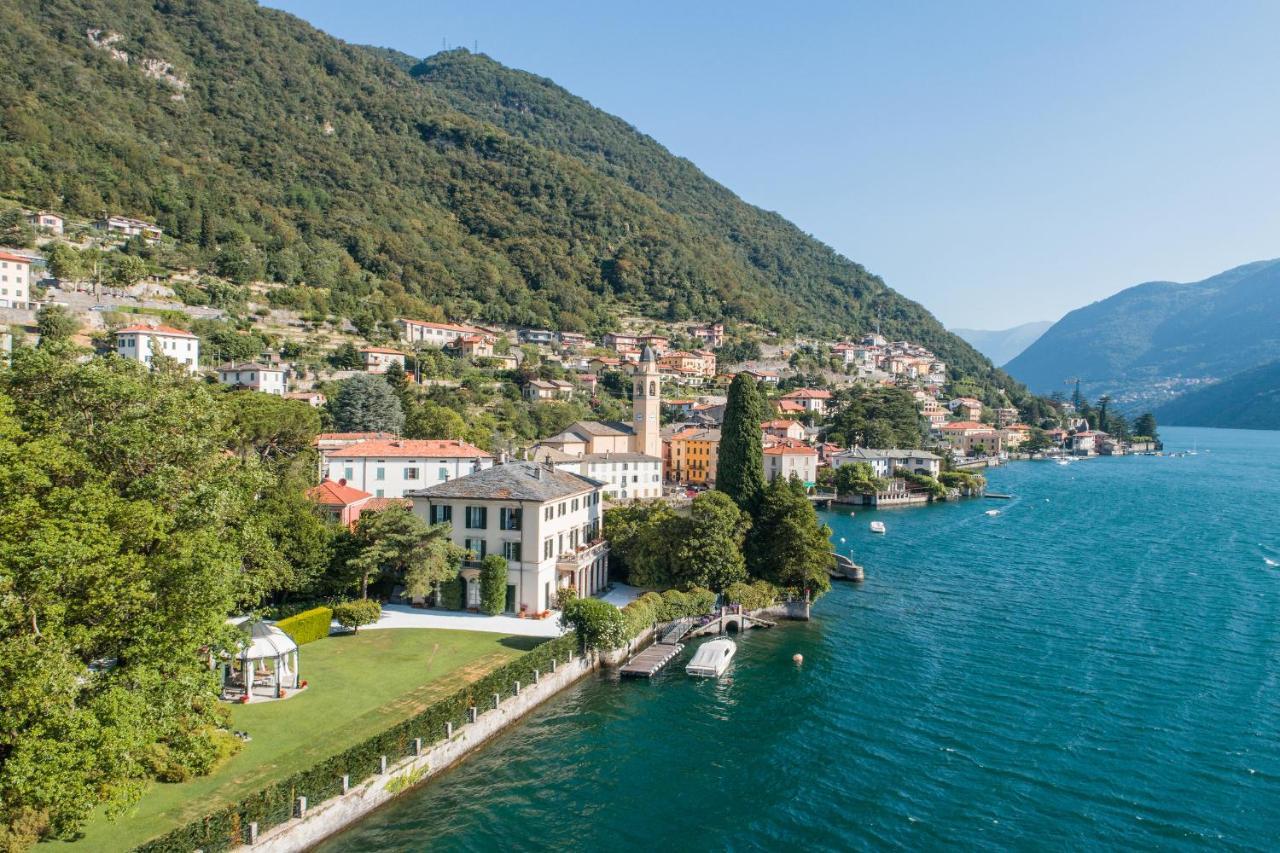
[330,493]
[515,481]
[377,504]
[453,327]
[790,450]
[158,330]
[807,394]
[965,425]
[249,365]
[352,436]
[384,350]
[7,256]
[429,448]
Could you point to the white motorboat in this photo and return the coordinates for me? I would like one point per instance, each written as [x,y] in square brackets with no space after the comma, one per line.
[712,658]
[877,527]
[992,512]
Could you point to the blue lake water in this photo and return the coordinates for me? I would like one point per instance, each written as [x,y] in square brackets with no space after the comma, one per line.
[1095,666]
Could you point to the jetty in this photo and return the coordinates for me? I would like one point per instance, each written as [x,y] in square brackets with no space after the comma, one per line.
[844,569]
[998,496]
[650,662]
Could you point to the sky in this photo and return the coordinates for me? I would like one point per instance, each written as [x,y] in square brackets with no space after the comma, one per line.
[1000,163]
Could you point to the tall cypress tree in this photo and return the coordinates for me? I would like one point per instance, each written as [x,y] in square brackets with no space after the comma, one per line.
[740,468]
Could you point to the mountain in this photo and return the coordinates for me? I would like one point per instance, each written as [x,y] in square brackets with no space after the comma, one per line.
[1003,345]
[366,183]
[1248,400]
[1149,343]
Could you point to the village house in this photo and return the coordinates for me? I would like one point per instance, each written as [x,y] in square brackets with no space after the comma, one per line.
[314,399]
[1085,442]
[934,412]
[699,362]
[791,460]
[47,221]
[658,343]
[769,377]
[789,407]
[435,334]
[885,462]
[588,382]
[966,408]
[339,501]
[15,280]
[574,340]
[326,442]
[601,364]
[1006,415]
[545,522]
[548,389]
[537,337]
[690,456]
[970,438]
[627,476]
[783,428]
[378,359]
[711,334]
[254,376]
[127,227]
[813,400]
[1015,435]
[390,467]
[620,340]
[472,346]
[144,343]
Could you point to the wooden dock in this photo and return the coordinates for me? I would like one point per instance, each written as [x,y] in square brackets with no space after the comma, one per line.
[649,662]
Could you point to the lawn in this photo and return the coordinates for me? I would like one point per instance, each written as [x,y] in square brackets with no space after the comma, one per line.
[359,685]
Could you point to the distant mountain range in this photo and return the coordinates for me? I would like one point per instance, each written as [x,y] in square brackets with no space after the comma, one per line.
[1149,344]
[1003,345]
[1248,400]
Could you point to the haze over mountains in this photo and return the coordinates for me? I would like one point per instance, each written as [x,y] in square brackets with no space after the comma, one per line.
[1004,344]
[1150,343]
[372,184]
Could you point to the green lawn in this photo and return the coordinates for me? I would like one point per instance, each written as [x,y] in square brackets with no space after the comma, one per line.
[359,684]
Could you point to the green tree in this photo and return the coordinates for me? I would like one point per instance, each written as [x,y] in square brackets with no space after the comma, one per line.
[432,420]
[740,468]
[270,427]
[707,546]
[1145,426]
[396,544]
[366,403]
[638,544]
[598,624]
[65,262]
[125,270]
[14,228]
[788,545]
[55,324]
[493,584]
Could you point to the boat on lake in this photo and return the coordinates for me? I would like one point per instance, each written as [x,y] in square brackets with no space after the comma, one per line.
[877,527]
[712,659]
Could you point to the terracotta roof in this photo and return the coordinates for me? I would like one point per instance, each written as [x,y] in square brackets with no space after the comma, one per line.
[6,256]
[158,330]
[965,425]
[789,450]
[386,350]
[330,493]
[789,406]
[807,394]
[431,448]
[782,423]
[454,327]
[376,504]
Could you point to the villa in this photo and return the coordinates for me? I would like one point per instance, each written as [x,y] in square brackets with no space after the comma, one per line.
[544,521]
[390,468]
[255,377]
[144,343]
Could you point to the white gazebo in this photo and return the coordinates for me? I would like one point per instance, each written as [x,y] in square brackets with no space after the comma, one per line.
[268,658]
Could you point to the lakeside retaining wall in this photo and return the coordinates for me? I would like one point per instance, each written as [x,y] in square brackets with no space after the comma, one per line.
[321,820]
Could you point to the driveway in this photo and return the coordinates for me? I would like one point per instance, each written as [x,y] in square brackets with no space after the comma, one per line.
[404,616]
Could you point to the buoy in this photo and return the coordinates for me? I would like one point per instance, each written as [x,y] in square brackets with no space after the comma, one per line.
[797,659]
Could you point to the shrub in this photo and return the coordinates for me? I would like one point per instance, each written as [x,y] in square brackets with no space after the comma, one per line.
[638,615]
[677,605]
[565,596]
[752,596]
[598,624]
[451,593]
[307,626]
[353,614]
[493,584]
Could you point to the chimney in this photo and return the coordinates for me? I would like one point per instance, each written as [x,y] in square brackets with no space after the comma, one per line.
[342,482]
[537,472]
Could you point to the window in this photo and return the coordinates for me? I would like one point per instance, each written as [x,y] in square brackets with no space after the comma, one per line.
[560,511]
[548,513]
[411,473]
[378,493]
[347,474]
[441,514]
[476,547]
[477,517]
[509,519]
[575,504]
[379,473]
[511,550]
[548,549]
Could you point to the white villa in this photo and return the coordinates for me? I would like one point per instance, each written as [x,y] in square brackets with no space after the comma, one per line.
[436,334]
[787,460]
[269,379]
[884,462]
[545,522]
[390,468]
[142,343]
[15,280]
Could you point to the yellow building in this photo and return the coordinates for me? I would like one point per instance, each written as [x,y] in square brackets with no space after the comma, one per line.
[691,456]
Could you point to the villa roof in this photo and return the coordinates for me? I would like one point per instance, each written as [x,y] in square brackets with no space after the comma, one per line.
[351,436]
[406,447]
[453,327]
[330,493]
[9,256]
[964,425]
[155,330]
[249,365]
[383,350]
[515,481]
[807,394]
[787,449]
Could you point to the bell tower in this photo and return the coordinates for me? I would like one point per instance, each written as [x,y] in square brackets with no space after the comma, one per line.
[646,399]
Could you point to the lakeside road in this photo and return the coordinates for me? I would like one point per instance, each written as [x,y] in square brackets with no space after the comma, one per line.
[1093,667]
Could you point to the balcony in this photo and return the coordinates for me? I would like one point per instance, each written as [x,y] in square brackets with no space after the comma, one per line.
[585,555]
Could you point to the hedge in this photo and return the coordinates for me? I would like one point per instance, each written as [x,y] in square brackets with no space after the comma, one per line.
[493,584]
[359,611]
[273,805]
[752,596]
[451,594]
[308,626]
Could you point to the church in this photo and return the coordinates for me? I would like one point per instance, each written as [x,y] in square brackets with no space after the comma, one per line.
[627,458]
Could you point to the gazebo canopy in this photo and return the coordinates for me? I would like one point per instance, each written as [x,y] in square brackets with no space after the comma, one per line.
[265,641]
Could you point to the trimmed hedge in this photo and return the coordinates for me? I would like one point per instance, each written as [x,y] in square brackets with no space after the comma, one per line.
[307,626]
[752,596]
[451,594]
[359,611]
[273,805]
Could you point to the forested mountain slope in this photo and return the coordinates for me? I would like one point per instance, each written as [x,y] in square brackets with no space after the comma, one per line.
[371,185]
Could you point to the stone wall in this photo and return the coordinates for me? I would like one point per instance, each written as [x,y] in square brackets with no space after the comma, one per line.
[321,820]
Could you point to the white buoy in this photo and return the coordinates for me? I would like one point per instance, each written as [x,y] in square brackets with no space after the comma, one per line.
[797,658]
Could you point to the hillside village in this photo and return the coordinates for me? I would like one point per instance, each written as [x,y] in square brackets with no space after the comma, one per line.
[638,408]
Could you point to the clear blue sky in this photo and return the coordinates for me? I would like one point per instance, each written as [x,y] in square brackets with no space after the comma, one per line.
[998,162]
